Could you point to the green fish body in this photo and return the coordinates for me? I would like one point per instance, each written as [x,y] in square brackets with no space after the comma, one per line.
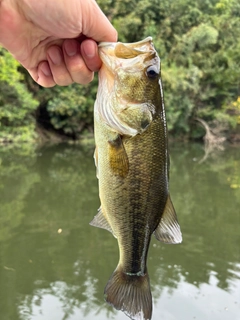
[132,163]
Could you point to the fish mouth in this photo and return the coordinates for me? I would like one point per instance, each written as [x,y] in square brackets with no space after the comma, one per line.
[109,51]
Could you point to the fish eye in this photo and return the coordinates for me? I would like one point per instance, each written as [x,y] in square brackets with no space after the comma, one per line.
[152,72]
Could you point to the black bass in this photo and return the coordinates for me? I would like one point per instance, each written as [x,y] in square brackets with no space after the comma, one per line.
[133,168]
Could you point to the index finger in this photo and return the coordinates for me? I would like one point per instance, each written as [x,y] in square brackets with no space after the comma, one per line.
[97,26]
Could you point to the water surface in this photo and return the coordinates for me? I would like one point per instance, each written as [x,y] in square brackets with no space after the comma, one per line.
[54,266]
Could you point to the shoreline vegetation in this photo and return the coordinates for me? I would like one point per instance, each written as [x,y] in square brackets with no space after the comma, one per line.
[199,46]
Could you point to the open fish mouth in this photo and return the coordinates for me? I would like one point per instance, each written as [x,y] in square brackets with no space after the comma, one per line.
[126,50]
[113,54]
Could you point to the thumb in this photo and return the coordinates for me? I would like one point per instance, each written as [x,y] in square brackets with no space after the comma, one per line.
[95,24]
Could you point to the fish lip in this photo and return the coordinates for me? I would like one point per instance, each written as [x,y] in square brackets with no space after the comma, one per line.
[113,58]
[106,60]
[135,44]
[107,44]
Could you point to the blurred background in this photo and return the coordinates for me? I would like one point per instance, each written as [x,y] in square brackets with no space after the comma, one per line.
[53,265]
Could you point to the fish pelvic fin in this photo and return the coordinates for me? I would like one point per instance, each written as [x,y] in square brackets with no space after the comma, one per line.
[168,230]
[101,222]
[130,293]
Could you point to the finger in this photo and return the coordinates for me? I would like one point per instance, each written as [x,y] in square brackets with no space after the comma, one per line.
[89,50]
[58,67]
[43,75]
[97,26]
[75,64]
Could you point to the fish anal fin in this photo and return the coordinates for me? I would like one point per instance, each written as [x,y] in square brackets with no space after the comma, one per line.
[168,230]
[118,159]
[101,222]
[130,294]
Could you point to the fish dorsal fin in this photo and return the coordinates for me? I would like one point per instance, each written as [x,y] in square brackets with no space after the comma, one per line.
[118,159]
[101,222]
[168,230]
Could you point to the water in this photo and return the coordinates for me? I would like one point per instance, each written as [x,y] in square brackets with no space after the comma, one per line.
[54,266]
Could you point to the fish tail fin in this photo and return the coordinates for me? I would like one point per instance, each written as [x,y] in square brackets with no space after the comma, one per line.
[130,294]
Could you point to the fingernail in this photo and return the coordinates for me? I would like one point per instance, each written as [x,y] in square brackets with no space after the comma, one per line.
[55,55]
[46,70]
[71,47]
[89,49]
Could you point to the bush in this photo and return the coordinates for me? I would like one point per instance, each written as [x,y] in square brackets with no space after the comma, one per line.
[17,105]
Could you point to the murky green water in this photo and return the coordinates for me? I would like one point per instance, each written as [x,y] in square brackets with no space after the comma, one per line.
[54,266]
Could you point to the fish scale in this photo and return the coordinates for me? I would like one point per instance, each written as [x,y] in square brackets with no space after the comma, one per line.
[132,163]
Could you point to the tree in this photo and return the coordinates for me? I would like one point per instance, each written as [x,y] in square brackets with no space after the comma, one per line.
[17,105]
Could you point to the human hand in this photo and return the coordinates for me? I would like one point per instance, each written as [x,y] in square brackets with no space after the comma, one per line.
[55,40]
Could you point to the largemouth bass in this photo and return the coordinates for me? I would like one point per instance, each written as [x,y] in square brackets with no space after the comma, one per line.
[132,163]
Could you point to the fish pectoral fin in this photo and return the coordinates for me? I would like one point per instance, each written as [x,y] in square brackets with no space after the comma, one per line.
[137,116]
[168,230]
[118,159]
[95,156]
[101,222]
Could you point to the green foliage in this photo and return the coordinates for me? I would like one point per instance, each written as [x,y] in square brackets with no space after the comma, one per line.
[210,47]
[16,103]
[71,108]
[200,53]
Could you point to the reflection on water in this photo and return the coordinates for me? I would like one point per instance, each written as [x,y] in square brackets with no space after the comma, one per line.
[53,265]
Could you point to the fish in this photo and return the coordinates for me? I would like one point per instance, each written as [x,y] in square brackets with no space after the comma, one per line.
[132,164]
